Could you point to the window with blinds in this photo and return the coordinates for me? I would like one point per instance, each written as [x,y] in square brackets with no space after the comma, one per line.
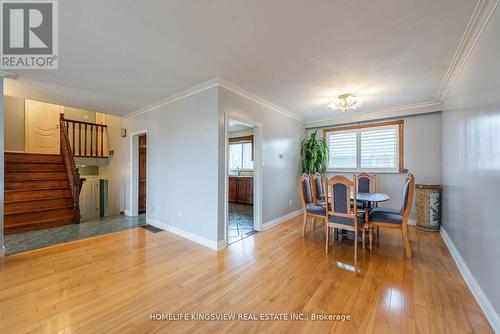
[366,148]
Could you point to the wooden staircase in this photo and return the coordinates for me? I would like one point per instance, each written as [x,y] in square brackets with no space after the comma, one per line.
[37,192]
[41,190]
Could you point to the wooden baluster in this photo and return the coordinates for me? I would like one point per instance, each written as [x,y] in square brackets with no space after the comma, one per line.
[96,140]
[102,139]
[74,146]
[91,133]
[85,144]
[79,139]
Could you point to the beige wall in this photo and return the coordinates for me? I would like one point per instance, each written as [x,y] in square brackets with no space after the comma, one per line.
[79,114]
[14,123]
[14,134]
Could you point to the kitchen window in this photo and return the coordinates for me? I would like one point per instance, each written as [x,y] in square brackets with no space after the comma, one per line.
[241,154]
[374,147]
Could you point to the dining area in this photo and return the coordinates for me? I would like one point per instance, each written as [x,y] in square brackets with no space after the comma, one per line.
[353,209]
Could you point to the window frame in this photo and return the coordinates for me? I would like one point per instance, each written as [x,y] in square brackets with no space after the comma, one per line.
[241,141]
[400,146]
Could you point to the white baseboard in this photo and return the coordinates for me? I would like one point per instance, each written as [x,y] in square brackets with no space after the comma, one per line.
[281,219]
[474,287]
[188,235]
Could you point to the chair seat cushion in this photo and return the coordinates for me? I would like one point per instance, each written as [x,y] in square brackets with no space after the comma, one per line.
[384,217]
[347,221]
[316,210]
[386,210]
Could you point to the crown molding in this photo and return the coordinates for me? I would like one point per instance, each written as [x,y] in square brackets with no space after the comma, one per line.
[176,97]
[215,82]
[240,91]
[478,21]
[353,117]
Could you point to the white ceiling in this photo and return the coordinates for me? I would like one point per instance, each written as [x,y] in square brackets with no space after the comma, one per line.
[119,56]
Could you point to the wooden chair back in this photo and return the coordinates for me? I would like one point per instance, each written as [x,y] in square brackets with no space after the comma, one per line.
[305,191]
[317,186]
[367,183]
[338,203]
[407,202]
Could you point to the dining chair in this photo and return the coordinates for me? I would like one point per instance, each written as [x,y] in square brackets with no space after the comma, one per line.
[367,183]
[317,185]
[341,214]
[395,218]
[310,209]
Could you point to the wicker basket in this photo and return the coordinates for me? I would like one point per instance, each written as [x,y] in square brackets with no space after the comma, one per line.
[428,207]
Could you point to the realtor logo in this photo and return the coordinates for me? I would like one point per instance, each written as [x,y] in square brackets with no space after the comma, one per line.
[29,34]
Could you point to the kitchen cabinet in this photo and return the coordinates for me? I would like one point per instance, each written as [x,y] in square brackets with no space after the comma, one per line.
[241,189]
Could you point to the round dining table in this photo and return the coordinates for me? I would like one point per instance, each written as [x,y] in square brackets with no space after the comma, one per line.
[371,197]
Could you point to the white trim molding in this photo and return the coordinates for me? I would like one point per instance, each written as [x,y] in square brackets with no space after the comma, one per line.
[212,244]
[215,82]
[478,21]
[471,282]
[411,109]
[176,97]
[2,251]
[257,99]
[281,219]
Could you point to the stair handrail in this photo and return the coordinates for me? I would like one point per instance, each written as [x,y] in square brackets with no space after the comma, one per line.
[75,181]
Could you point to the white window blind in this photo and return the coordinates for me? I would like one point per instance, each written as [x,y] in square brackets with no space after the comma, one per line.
[373,148]
[240,156]
[342,148]
[379,148]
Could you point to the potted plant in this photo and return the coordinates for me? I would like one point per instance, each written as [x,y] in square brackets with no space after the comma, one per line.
[314,154]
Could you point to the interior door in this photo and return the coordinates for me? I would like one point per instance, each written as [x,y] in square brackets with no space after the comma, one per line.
[142,172]
[89,199]
[42,127]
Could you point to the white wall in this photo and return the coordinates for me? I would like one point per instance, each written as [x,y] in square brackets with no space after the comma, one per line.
[281,134]
[422,157]
[182,163]
[471,168]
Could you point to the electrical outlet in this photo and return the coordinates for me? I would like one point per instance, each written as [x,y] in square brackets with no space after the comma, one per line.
[291,202]
[179,214]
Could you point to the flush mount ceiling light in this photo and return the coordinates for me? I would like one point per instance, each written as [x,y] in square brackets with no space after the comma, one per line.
[345,102]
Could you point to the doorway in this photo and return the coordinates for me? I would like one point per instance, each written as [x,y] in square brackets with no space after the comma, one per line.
[137,201]
[142,172]
[240,180]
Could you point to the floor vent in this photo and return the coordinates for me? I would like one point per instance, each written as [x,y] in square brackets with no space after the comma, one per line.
[151,228]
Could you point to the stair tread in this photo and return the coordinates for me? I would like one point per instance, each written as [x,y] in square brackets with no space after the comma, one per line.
[37,199]
[15,171]
[37,210]
[34,189]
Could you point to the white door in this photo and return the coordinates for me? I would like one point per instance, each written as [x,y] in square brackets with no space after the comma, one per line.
[89,199]
[42,127]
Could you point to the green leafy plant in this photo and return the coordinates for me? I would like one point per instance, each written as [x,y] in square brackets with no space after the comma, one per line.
[314,154]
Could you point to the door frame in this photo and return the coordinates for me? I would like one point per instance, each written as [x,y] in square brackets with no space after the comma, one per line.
[133,204]
[257,171]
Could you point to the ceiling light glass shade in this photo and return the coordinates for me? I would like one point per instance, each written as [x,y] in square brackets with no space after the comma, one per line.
[345,103]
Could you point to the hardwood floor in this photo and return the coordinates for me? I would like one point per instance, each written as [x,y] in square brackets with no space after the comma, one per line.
[111,284]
